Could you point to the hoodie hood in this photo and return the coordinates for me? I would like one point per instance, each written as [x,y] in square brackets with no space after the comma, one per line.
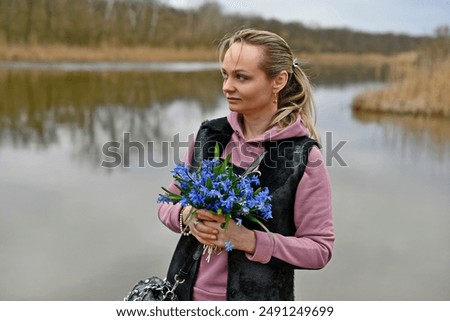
[297,129]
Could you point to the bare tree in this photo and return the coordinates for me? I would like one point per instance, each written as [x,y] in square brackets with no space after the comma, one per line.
[155,18]
[109,8]
[133,12]
[29,20]
[5,16]
[49,19]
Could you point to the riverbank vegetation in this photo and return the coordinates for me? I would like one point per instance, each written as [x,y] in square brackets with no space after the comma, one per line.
[417,88]
[152,30]
[63,52]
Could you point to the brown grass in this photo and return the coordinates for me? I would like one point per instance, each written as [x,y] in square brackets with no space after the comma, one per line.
[68,53]
[370,59]
[414,89]
[143,53]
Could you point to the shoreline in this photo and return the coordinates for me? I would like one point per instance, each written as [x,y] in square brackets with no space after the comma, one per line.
[63,53]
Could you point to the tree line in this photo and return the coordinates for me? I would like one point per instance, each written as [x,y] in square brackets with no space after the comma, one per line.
[97,23]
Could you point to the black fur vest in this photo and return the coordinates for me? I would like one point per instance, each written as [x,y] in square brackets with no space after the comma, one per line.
[281,171]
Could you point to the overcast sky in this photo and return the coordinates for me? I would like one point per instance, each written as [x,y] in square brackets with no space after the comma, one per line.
[416,17]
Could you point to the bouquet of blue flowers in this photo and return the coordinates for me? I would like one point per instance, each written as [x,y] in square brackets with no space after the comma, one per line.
[216,187]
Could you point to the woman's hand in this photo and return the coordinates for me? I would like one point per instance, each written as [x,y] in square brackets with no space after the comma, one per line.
[203,233]
[205,226]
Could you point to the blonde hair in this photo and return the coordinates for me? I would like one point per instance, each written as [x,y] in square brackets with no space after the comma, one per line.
[296,97]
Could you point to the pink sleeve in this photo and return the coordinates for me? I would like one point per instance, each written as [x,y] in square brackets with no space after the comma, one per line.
[312,243]
[169,214]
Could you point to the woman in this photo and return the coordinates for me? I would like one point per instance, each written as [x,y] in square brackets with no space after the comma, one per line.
[271,110]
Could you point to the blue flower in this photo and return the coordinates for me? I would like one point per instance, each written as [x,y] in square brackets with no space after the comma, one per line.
[245,210]
[253,179]
[266,211]
[245,186]
[182,171]
[229,246]
[164,199]
[184,201]
[196,198]
[228,202]
[238,221]
[184,185]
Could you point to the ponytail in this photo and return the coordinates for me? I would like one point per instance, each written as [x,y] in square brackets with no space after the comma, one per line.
[296,100]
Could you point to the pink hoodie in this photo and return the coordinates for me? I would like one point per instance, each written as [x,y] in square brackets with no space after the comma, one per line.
[312,243]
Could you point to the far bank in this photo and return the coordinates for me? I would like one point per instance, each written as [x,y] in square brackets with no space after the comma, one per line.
[60,53]
[419,89]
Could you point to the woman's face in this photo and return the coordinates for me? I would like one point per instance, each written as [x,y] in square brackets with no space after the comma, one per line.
[246,86]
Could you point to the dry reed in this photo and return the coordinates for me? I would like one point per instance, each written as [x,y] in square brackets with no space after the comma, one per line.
[349,59]
[107,53]
[145,53]
[415,89]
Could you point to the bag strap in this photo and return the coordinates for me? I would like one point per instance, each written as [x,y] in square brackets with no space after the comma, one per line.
[181,276]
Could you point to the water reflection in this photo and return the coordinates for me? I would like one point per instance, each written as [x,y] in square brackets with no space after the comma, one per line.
[413,136]
[109,66]
[37,108]
[342,75]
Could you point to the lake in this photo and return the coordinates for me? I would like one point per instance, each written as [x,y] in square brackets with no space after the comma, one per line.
[72,229]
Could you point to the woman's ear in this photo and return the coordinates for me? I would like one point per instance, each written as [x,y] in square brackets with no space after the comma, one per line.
[280,81]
